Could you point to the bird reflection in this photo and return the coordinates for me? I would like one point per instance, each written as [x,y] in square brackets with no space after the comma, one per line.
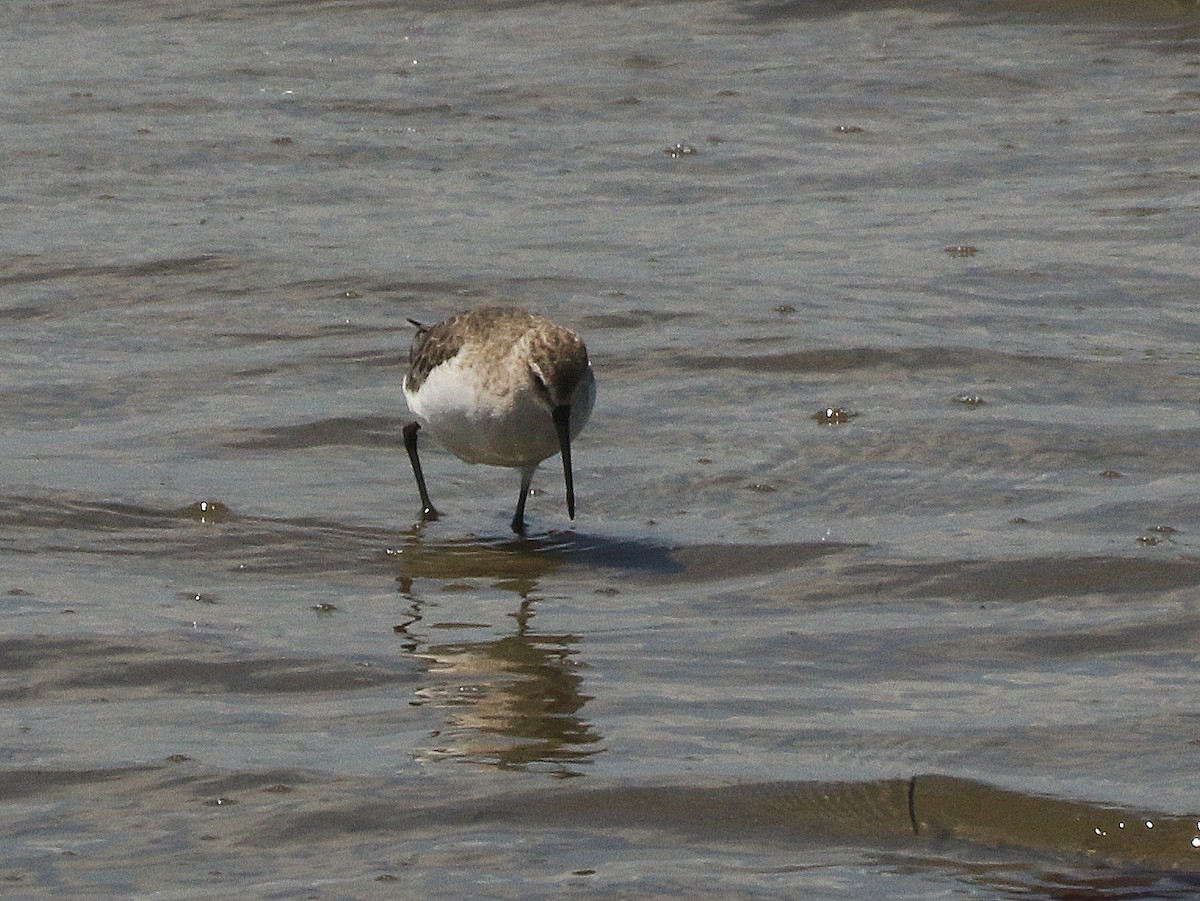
[512,698]
[514,702]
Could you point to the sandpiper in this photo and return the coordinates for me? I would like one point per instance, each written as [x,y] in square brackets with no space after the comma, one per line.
[501,386]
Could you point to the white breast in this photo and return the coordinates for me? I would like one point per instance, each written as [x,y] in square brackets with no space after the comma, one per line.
[505,427]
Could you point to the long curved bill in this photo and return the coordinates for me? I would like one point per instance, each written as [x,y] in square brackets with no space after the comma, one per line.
[562,425]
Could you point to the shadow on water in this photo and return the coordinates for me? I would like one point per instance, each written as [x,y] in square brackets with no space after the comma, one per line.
[532,558]
[525,560]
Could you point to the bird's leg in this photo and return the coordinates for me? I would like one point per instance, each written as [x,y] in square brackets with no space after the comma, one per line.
[518,520]
[410,444]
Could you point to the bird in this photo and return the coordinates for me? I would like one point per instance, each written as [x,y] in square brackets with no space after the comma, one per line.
[501,386]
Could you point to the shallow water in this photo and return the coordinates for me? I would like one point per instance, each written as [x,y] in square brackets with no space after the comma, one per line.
[226,645]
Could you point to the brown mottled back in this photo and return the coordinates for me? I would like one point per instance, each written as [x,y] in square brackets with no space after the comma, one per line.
[431,346]
[503,326]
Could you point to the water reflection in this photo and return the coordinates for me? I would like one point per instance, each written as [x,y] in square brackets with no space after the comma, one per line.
[523,561]
[511,694]
[511,697]
[512,702]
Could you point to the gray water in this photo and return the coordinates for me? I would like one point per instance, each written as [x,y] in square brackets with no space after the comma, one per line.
[227,645]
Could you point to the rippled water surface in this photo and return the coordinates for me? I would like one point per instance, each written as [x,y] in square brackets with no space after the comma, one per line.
[940,643]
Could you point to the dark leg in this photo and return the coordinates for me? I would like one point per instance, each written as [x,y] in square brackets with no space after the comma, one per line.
[410,445]
[518,520]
